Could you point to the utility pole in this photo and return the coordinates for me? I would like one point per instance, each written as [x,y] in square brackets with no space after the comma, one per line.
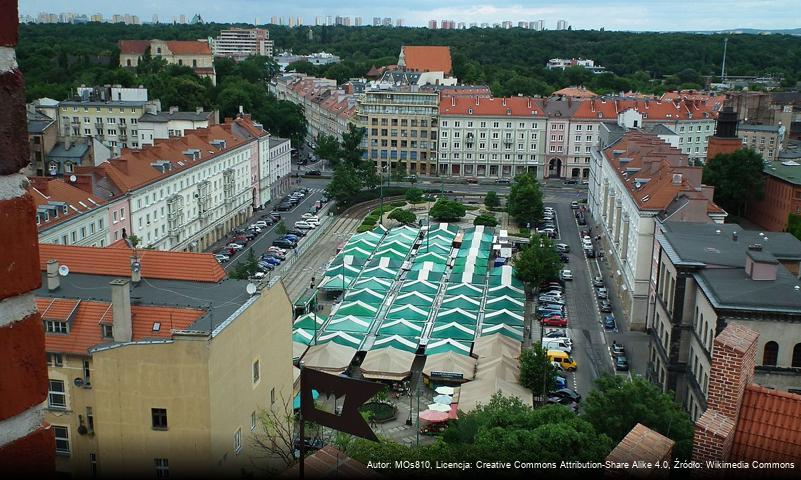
[723,66]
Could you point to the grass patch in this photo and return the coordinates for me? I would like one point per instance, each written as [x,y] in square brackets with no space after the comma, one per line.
[398,203]
[471,207]
[524,232]
[364,228]
[379,410]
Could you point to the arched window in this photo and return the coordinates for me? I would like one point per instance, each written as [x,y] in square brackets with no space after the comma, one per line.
[797,355]
[770,354]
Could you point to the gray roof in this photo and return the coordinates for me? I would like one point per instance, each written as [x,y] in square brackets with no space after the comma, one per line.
[38,122]
[77,150]
[275,141]
[220,300]
[758,128]
[561,107]
[102,103]
[730,288]
[658,129]
[164,117]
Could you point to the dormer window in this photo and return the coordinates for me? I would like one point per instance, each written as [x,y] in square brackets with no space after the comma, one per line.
[55,326]
[106,331]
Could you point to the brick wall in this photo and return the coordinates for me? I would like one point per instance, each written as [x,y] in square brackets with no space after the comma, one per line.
[26,444]
[733,359]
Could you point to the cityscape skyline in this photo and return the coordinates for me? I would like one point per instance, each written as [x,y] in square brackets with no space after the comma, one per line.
[610,15]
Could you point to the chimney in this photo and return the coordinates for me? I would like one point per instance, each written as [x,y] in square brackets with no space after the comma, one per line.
[199,110]
[136,270]
[760,265]
[173,109]
[53,280]
[241,110]
[121,326]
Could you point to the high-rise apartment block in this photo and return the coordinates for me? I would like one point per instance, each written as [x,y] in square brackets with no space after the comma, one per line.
[432,24]
[376,21]
[240,43]
[561,25]
[357,21]
[387,22]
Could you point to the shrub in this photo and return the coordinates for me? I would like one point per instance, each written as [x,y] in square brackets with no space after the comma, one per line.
[403,216]
[364,228]
[370,220]
[486,220]
[398,203]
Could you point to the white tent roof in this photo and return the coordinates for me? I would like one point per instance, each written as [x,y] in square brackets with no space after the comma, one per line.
[387,364]
[451,362]
[496,345]
[331,357]
[481,391]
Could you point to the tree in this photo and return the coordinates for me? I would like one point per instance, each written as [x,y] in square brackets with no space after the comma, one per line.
[537,373]
[616,405]
[447,210]
[276,435]
[345,184]
[491,200]
[538,262]
[486,220]
[525,200]
[328,148]
[414,195]
[352,152]
[737,178]
[405,217]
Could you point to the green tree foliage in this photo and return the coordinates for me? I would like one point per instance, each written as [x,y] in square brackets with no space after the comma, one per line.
[491,200]
[405,217]
[538,261]
[345,184]
[486,220]
[525,200]
[794,225]
[616,405]
[414,195]
[445,210]
[737,178]
[536,372]
[244,269]
[327,148]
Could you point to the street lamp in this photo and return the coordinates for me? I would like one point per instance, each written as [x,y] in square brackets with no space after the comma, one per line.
[381,193]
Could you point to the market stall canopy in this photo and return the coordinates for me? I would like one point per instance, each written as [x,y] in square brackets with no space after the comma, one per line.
[439,407]
[307,321]
[404,328]
[481,391]
[504,275]
[445,390]
[503,329]
[504,316]
[429,266]
[352,340]
[505,303]
[502,367]
[509,291]
[379,285]
[473,253]
[365,295]
[447,345]
[407,344]
[349,323]
[369,236]
[465,289]
[433,416]
[399,242]
[461,278]
[408,312]
[298,349]
[387,364]
[330,357]
[448,228]
[391,253]
[431,257]
[413,298]
[357,308]
[457,315]
[425,274]
[358,251]
[495,346]
[461,301]
[454,331]
[379,272]
[336,282]
[452,361]
[420,286]
[301,335]
[438,248]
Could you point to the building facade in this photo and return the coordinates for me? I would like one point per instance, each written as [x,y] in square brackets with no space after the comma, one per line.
[710,276]
[195,54]
[240,43]
[635,184]
[781,193]
[171,124]
[280,165]
[68,215]
[767,140]
[491,137]
[42,137]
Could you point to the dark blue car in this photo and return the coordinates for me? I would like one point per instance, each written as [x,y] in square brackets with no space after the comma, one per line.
[609,322]
[291,238]
[271,260]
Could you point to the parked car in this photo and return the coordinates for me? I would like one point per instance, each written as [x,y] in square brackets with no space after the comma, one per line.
[566,274]
[589,252]
[564,258]
[473,180]
[264,267]
[562,248]
[283,243]
[235,246]
[554,321]
[617,349]
[555,333]
[602,293]
[565,402]
[297,233]
[566,393]
[314,220]
[550,299]
[562,344]
[261,223]
[621,363]
[283,206]
[276,250]
[503,181]
[292,237]
[271,260]
[574,205]
[571,181]
[253,228]
[604,306]
[609,322]
[221,258]
[410,178]
[598,281]
[301,225]
[314,173]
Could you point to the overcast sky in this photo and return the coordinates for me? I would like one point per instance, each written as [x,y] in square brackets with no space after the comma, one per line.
[658,15]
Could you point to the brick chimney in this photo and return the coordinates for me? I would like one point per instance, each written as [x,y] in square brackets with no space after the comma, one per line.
[53,280]
[732,370]
[121,325]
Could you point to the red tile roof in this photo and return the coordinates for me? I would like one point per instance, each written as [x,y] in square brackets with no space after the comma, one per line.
[656,163]
[156,264]
[769,426]
[177,47]
[642,444]
[500,107]
[576,92]
[427,58]
[603,108]
[45,190]
[84,325]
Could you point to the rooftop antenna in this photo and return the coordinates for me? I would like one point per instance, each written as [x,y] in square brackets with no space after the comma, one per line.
[723,67]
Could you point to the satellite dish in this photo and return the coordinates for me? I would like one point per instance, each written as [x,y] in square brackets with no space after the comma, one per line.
[73,178]
[251,289]
[135,267]
[63,270]
[78,382]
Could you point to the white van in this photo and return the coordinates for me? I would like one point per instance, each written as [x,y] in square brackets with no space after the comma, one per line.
[301,225]
[313,220]
[557,344]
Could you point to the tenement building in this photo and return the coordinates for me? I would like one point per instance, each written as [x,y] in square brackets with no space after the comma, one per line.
[195,54]
[708,276]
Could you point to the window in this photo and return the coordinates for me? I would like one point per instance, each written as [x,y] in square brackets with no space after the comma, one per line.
[87,373]
[272,396]
[162,467]
[55,360]
[256,371]
[114,217]
[797,355]
[253,421]
[56,398]
[159,417]
[93,456]
[238,441]
[770,354]
[53,326]
[106,331]
[90,419]
[62,435]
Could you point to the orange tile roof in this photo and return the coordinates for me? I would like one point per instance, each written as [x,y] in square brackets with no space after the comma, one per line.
[427,58]
[156,264]
[642,444]
[177,47]
[769,426]
[500,107]
[576,92]
[45,190]
[656,161]
[84,326]
[607,108]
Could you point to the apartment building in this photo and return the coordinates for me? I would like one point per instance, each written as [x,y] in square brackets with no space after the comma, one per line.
[635,184]
[491,137]
[68,215]
[195,54]
[108,114]
[42,137]
[709,276]
[154,126]
[280,166]
[767,140]
[240,43]
[782,193]
[149,384]
[401,125]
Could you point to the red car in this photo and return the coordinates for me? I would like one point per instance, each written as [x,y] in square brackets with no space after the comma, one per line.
[554,321]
